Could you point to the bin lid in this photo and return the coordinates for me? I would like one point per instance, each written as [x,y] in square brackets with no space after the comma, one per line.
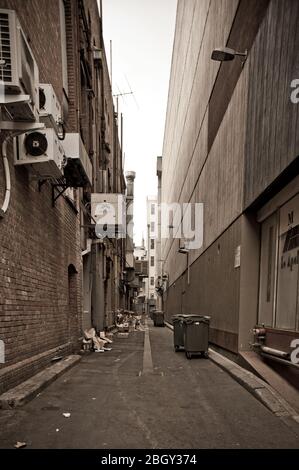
[194,317]
[179,317]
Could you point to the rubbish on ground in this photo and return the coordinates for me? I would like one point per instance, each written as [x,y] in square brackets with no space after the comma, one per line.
[67,415]
[117,360]
[104,337]
[127,321]
[57,430]
[20,445]
[87,344]
[93,398]
[91,335]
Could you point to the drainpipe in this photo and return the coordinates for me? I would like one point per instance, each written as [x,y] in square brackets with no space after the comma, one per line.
[5,204]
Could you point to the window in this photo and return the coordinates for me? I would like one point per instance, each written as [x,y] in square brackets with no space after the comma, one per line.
[137,258]
[152,227]
[152,244]
[152,281]
[152,209]
[279,272]
[152,261]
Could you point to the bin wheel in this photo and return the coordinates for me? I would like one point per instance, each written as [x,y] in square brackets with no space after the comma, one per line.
[176,348]
[188,355]
[205,355]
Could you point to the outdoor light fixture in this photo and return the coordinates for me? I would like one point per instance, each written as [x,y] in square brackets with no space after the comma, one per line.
[224,54]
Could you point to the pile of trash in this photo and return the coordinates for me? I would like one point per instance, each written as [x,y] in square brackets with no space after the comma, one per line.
[126,322]
[97,342]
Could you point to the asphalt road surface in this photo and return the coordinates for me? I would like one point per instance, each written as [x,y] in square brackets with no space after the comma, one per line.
[144,395]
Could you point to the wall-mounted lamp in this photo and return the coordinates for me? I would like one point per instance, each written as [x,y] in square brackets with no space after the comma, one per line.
[224,54]
[185,251]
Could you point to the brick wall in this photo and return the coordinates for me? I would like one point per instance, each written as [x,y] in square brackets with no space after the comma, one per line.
[40,305]
[40,245]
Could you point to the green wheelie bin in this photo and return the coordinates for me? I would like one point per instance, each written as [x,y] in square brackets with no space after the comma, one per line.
[178,331]
[158,318]
[196,335]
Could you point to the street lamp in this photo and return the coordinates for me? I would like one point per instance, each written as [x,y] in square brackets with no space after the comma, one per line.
[224,54]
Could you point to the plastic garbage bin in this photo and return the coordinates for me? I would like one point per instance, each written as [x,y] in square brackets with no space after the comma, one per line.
[178,331]
[196,335]
[158,317]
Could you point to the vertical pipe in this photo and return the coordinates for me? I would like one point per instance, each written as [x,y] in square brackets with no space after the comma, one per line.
[111,63]
[121,139]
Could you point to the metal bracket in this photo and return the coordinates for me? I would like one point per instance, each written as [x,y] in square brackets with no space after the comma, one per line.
[64,188]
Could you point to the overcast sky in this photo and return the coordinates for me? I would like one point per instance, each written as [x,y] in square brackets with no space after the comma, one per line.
[142,34]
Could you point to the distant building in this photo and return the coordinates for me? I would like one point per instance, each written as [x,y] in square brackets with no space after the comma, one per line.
[141,272]
[152,228]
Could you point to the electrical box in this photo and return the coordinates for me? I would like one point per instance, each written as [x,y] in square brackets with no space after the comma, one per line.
[41,151]
[18,70]
[78,169]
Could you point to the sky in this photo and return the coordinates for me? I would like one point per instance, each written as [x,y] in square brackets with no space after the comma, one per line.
[142,33]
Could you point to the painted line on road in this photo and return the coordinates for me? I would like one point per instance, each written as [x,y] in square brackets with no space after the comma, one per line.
[147,354]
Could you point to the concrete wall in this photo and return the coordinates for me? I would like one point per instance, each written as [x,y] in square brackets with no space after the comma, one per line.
[230,131]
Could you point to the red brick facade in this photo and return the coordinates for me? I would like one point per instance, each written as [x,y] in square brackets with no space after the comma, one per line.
[40,245]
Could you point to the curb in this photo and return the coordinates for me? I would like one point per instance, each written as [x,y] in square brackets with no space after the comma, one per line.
[256,386]
[253,384]
[27,390]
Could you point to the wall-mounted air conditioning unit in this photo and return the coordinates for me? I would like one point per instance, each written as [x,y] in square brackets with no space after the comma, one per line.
[49,106]
[42,151]
[18,70]
[78,169]
[108,212]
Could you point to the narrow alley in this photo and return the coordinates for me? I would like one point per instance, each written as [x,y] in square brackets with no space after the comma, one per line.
[144,395]
[149,231]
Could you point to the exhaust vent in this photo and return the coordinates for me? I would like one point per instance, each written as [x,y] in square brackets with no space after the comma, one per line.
[5,46]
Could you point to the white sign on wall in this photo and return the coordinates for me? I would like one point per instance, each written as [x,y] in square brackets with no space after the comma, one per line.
[238,256]
[2,352]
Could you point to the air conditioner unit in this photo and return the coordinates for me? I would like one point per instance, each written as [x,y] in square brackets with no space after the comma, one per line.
[49,106]
[97,56]
[108,212]
[42,151]
[78,169]
[18,70]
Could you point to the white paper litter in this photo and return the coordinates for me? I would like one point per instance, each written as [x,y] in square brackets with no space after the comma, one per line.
[20,445]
